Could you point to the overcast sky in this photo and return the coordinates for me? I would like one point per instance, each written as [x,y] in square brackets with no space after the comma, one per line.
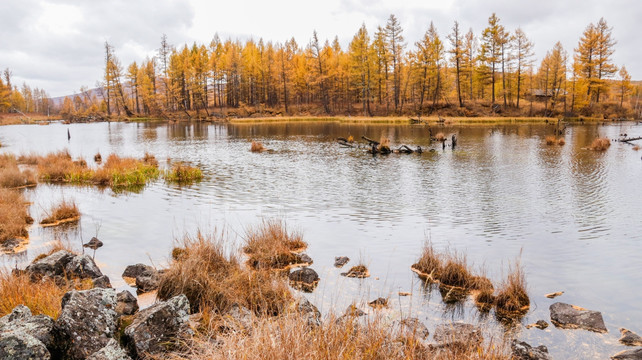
[57,45]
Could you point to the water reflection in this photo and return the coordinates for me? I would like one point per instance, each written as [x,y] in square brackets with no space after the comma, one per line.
[571,212]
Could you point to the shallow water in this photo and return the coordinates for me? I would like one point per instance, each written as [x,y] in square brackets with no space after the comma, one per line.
[572,214]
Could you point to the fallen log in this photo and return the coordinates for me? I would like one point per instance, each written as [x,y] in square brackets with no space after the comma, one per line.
[372,142]
[626,140]
[405,149]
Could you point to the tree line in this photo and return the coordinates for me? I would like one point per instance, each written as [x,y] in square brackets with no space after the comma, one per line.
[463,73]
[24,99]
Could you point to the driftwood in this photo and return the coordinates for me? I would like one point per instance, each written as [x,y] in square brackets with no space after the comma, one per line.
[627,139]
[370,141]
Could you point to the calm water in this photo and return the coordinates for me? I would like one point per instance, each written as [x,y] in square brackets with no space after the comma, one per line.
[572,214]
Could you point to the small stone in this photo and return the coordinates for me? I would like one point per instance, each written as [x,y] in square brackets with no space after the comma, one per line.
[540,324]
[379,303]
[554,295]
[305,279]
[339,261]
[523,351]
[630,338]
[413,327]
[126,303]
[144,277]
[304,259]
[568,316]
[359,271]
[354,311]
[457,334]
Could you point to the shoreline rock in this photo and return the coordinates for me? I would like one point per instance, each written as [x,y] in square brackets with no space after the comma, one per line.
[629,338]
[568,316]
[523,351]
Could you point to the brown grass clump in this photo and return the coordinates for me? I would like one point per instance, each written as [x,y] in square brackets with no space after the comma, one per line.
[359,271]
[125,172]
[13,215]
[429,264]
[561,142]
[41,297]
[214,281]
[11,176]
[290,337]
[636,147]
[257,147]
[512,298]
[600,144]
[455,272]
[98,158]
[64,212]
[350,139]
[551,140]
[59,167]
[150,159]
[270,245]
[440,137]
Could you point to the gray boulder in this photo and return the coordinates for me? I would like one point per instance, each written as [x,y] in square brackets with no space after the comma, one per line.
[21,320]
[102,282]
[18,345]
[112,351]
[305,279]
[635,354]
[63,263]
[86,323]
[146,278]
[457,334]
[50,266]
[630,338]
[339,261]
[523,351]
[568,316]
[127,303]
[157,328]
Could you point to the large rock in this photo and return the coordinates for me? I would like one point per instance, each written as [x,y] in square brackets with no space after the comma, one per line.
[127,303]
[635,354]
[630,338]
[158,327]
[145,277]
[21,320]
[523,351]
[86,323]
[63,263]
[112,351]
[50,266]
[457,334]
[18,345]
[569,316]
[305,279]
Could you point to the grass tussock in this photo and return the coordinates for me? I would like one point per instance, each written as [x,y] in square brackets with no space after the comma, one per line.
[65,211]
[512,297]
[125,172]
[290,337]
[636,147]
[440,137]
[600,144]
[42,297]
[14,217]
[214,281]
[350,139]
[11,176]
[183,173]
[257,147]
[561,142]
[271,246]
[550,140]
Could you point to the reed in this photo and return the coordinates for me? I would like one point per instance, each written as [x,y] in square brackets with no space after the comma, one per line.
[512,297]
[11,176]
[183,173]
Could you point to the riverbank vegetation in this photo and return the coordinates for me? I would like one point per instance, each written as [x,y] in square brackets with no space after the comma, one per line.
[11,176]
[182,173]
[14,217]
[462,74]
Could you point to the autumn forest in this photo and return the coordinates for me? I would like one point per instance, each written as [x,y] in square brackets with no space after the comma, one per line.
[379,74]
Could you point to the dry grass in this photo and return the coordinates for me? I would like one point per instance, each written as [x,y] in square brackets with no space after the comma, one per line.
[561,142]
[290,337]
[42,297]
[214,281]
[257,147]
[59,167]
[512,298]
[270,246]
[13,215]
[350,139]
[636,147]
[551,140]
[183,173]
[62,212]
[440,137]
[600,144]
[11,176]
[150,159]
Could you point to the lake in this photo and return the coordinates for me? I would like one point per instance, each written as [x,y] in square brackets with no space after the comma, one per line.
[571,215]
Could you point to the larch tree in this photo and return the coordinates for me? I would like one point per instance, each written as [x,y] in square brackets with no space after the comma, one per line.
[457,57]
[361,56]
[317,56]
[468,60]
[552,74]
[523,54]
[625,84]
[132,77]
[382,64]
[493,40]
[395,42]
[605,49]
